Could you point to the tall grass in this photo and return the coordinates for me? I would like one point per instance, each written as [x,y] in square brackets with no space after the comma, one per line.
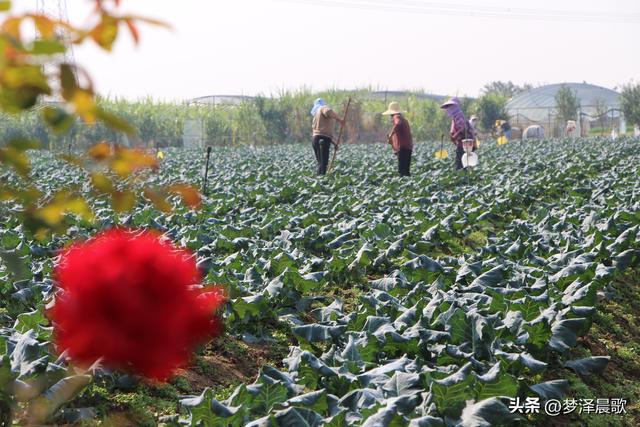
[280,119]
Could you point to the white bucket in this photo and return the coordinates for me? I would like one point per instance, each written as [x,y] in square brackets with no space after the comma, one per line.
[468,144]
[469,160]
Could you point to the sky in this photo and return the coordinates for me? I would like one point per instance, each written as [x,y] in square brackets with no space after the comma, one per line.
[254,47]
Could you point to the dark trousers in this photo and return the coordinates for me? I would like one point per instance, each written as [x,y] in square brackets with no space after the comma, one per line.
[459,154]
[321,146]
[404,162]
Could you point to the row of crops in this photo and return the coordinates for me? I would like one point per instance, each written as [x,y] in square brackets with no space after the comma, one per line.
[260,121]
[471,288]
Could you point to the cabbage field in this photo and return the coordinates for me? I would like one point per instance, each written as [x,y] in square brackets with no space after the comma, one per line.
[362,298]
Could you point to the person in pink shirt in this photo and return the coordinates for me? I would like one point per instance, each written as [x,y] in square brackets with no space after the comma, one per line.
[460,128]
[400,139]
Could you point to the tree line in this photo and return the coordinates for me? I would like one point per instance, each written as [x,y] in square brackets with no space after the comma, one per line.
[283,118]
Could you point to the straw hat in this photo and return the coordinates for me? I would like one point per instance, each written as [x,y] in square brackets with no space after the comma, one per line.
[450,103]
[394,108]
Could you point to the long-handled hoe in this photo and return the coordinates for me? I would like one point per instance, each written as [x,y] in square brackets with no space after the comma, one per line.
[335,149]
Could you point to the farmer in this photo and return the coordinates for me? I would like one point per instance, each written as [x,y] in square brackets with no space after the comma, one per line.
[400,138]
[473,121]
[506,129]
[324,122]
[614,133]
[460,128]
[570,129]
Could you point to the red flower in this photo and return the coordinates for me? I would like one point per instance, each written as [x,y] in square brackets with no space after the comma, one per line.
[129,299]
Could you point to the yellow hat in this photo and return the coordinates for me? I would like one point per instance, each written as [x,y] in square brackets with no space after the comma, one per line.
[394,108]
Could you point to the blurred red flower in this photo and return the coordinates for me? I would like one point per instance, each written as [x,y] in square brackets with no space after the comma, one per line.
[129,298]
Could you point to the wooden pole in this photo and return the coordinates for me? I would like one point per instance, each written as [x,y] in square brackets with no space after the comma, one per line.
[206,172]
[335,149]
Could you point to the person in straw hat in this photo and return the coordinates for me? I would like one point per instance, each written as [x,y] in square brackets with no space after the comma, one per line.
[324,123]
[400,138]
[473,121]
[460,128]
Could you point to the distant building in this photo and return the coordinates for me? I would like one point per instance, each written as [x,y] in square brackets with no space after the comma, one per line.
[599,106]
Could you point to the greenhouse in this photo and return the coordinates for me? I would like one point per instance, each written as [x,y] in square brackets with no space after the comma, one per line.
[599,107]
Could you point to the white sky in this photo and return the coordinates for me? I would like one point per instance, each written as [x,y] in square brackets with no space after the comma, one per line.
[260,46]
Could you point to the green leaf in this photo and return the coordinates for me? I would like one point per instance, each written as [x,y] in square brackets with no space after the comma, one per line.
[427,421]
[298,417]
[315,400]
[589,365]
[491,278]
[270,394]
[402,383]
[68,81]
[539,334]
[459,327]
[17,265]
[565,334]
[115,122]
[205,410]
[47,47]
[489,412]
[6,374]
[496,383]
[22,144]
[450,393]
[338,420]
[498,304]
[32,321]
[58,119]
[309,377]
[555,389]
[63,391]
[529,308]
[316,332]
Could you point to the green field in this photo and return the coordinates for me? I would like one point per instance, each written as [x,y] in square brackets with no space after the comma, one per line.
[362,298]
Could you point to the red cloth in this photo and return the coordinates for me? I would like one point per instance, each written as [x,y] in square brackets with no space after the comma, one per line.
[401,138]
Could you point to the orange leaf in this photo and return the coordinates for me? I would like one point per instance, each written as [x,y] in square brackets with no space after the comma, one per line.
[159,201]
[45,26]
[123,201]
[128,161]
[85,105]
[101,182]
[189,195]
[100,151]
[106,32]
[11,27]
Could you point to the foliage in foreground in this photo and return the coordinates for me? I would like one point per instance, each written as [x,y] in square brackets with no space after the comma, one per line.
[440,333]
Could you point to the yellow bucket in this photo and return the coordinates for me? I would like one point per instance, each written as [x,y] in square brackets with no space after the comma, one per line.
[442,154]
